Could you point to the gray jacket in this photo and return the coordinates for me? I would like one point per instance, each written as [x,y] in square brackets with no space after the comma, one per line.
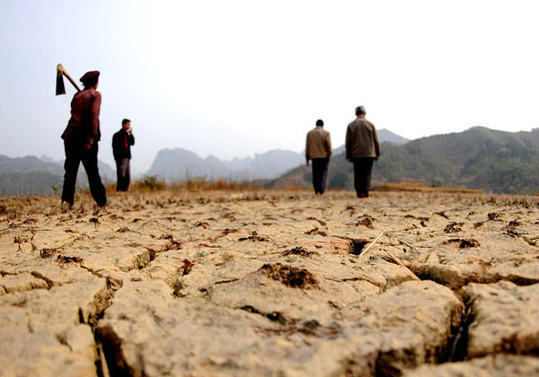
[361,139]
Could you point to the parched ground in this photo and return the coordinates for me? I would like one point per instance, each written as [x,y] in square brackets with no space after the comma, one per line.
[270,283]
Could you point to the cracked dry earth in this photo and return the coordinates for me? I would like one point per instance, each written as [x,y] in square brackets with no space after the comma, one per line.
[270,284]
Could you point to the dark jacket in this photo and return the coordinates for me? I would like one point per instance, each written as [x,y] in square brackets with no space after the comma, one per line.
[84,121]
[121,144]
[361,139]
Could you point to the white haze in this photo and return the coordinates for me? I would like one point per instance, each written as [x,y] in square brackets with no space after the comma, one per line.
[233,78]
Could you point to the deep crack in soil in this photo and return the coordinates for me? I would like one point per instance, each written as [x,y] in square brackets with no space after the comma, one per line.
[457,349]
[357,245]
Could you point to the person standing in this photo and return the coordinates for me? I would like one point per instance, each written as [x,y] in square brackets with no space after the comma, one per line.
[318,149]
[362,149]
[80,141]
[121,148]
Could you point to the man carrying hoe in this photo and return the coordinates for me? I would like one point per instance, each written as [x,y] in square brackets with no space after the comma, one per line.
[362,149]
[121,148]
[318,149]
[80,141]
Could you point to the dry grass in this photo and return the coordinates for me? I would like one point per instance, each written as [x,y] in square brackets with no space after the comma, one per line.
[198,185]
[219,190]
[420,187]
[151,184]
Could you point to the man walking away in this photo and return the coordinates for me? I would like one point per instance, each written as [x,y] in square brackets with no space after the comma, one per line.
[80,141]
[362,149]
[121,148]
[318,149]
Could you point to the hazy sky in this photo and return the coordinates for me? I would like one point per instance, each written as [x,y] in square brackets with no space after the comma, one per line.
[232,78]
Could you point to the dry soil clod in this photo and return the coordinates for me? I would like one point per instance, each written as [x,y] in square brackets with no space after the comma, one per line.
[453,227]
[293,277]
[464,243]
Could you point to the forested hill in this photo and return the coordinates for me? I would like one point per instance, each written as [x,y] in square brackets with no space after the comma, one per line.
[494,161]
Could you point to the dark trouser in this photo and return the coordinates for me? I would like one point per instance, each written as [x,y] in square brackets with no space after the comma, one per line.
[75,153]
[320,174]
[362,175]
[122,174]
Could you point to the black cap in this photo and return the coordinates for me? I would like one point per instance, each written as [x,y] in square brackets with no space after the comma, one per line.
[89,76]
[319,123]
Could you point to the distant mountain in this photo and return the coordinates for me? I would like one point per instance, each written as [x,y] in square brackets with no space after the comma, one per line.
[46,158]
[494,161]
[390,137]
[267,165]
[178,164]
[181,164]
[29,175]
[27,164]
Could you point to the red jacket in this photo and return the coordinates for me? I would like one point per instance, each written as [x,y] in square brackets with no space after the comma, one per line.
[84,121]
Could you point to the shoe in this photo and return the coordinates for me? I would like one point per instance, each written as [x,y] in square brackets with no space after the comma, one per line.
[65,206]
